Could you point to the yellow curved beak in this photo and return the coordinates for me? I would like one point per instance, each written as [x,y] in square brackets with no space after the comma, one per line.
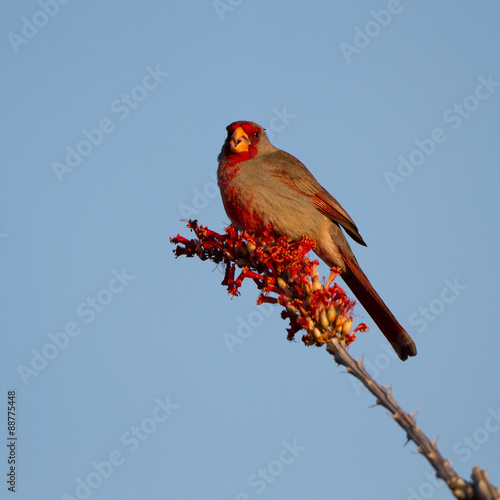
[239,141]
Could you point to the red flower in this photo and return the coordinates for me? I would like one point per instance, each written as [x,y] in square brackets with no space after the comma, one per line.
[281,267]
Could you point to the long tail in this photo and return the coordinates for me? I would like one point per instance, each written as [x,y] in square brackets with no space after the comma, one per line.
[363,290]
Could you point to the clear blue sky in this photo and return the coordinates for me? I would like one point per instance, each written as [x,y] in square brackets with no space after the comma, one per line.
[113,114]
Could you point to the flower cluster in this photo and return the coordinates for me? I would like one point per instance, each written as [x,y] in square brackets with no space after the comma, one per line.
[285,275]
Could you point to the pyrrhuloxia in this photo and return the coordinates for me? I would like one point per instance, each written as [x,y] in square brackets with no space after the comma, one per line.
[261,184]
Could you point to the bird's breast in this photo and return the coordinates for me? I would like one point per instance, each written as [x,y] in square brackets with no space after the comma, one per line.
[239,199]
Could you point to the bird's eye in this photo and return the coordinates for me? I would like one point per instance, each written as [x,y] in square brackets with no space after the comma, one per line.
[257,134]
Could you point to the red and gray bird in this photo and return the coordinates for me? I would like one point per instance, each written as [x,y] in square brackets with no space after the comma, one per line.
[261,184]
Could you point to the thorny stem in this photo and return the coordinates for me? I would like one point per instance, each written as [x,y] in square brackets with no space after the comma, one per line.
[479,489]
[284,275]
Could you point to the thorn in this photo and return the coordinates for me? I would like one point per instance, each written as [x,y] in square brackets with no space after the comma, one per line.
[412,415]
[387,388]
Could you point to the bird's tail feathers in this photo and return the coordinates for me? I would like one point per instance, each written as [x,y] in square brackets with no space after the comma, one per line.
[376,308]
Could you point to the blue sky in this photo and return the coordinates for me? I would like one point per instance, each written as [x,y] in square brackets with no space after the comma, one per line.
[113,114]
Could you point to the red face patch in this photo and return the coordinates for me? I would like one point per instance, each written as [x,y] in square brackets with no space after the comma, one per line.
[253,132]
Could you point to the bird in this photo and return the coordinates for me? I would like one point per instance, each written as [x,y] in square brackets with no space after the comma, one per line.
[261,184]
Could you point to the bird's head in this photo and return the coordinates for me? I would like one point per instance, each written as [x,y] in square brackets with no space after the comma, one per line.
[245,140]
